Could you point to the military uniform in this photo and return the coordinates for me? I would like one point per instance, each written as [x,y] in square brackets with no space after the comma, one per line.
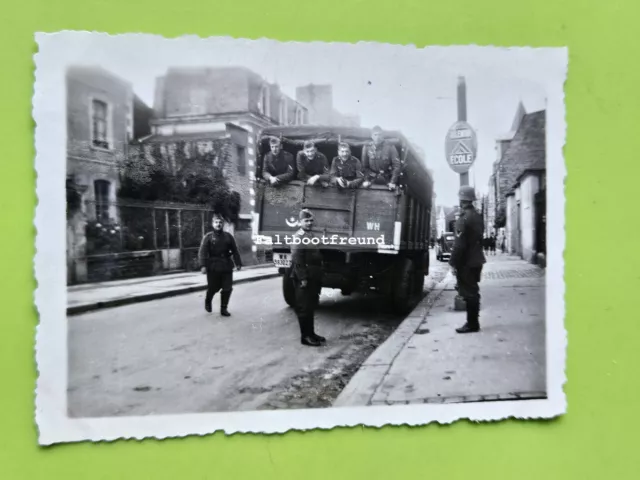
[309,167]
[216,252]
[381,163]
[349,169]
[280,166]
[306,265]
[467,258]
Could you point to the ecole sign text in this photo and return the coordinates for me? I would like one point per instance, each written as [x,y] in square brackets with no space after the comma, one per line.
[460,147]
[461,159]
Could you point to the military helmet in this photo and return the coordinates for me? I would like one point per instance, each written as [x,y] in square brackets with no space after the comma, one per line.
[467,193]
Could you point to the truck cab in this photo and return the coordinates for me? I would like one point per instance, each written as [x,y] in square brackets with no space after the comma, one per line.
[371,239]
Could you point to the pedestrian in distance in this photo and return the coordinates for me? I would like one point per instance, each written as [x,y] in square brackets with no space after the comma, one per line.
[312,166]
[380,161]
[467,258]
[278,166]
[217,256]
[346,170]
[306,274]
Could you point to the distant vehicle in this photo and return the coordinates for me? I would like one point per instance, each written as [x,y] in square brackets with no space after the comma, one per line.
[379,238]
[444,246]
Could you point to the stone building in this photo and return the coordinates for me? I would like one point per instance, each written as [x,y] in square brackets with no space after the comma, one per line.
[319,101]
[202,106]
[103,116]
[445,219]
[516,199]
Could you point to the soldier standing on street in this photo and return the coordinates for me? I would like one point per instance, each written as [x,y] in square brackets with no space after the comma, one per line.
[216,250]
[380,161]
[467,258]
[306,274]
[346,170]
[312,165]
[278,165]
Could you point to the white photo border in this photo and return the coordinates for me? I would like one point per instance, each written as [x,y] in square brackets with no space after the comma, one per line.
[49,113]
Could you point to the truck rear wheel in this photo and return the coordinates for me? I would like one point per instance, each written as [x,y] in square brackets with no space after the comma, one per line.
[288,290]
[403,287]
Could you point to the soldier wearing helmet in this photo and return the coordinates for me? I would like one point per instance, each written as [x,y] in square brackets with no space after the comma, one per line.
[467,258]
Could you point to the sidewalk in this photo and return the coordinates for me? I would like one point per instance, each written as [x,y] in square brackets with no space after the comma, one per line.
[93,296]
[426,361]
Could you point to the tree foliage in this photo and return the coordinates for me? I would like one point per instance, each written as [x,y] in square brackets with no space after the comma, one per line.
[197,178]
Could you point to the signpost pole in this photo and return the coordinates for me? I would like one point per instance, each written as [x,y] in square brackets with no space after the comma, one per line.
[462,117]
[459,303]
[461,148]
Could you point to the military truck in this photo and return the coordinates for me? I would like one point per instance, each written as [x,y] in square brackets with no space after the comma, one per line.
[372,239]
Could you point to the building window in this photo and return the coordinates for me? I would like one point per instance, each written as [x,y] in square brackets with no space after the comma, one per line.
[101,190]
[99,124]
[263,102]
[242,160]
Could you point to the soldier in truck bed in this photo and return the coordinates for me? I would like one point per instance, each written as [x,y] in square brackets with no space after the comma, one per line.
[312,165]
[346,170]
[278,166]
[380,161]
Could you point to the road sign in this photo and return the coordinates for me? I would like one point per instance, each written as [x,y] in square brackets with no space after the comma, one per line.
[461,146]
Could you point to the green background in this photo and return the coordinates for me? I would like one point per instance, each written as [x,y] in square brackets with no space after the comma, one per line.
[595,439]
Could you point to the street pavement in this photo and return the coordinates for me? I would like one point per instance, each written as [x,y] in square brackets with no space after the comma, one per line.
[169,356]
[426,361]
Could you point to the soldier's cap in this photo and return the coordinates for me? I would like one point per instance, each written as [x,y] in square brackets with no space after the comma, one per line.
[274,141]
[309,144]
[376,129]
[304,213]
[218,216]
[344,145]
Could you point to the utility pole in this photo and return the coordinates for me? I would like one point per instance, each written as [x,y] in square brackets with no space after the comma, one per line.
[462,117]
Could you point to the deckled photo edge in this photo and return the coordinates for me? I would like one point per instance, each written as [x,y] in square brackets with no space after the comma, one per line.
[51,417]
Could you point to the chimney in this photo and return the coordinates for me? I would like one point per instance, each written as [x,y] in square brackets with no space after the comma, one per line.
[462,99]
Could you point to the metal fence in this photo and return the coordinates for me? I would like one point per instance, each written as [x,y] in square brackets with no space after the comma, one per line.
[133,239]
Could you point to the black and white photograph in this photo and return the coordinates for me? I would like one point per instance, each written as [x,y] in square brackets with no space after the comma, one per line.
[260,236]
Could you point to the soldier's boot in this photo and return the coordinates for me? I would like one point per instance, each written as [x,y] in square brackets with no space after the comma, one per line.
[319,338]
[307,336]
[207,302]
[473,312]
[224,303]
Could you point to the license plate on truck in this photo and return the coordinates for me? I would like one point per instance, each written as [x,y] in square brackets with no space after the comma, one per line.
[282,260]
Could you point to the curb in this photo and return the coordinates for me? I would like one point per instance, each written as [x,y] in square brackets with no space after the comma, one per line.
[363,385]
[118,302]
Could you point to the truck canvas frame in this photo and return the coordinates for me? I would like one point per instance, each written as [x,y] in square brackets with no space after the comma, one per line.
[376,239]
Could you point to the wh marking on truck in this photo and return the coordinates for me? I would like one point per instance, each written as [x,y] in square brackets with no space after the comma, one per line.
[373,226]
